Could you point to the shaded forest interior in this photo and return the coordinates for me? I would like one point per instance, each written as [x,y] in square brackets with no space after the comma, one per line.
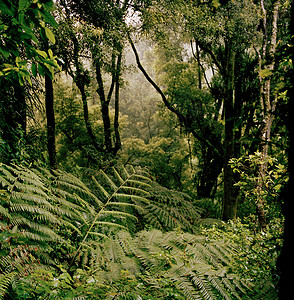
[146,149]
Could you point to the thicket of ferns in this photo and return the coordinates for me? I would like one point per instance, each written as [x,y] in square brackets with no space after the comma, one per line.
[52,219]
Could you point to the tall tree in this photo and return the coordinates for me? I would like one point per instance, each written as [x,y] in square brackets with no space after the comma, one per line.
[24,28]
[108,18]
[268,99]
[218,31]
[69,31]
[286,259]
[50,117]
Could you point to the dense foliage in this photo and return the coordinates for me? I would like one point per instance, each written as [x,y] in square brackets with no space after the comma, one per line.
[143,148]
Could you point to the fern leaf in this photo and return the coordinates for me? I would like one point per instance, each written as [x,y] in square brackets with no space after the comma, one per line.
[99,234]
[108,224]
[109,181]
[5,281]
[101,188]
[219,288]
[118,214]
[118,176]
[135,198]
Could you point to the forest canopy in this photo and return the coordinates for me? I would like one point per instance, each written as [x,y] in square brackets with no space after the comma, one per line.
[145,149]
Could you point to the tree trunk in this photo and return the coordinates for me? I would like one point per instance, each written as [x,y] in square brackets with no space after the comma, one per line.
[267,101]
[208,139]
[116,103]
[49,103]
[91,134]
[104,109]
[285,262]
[80,77]
[230,192]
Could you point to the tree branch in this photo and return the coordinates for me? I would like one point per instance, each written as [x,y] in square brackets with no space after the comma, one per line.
[181,117]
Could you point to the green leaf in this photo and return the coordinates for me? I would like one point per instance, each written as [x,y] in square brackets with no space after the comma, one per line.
[216,3]
[23,5]
[42,53]
[50,53]
[265,73]
[50,35]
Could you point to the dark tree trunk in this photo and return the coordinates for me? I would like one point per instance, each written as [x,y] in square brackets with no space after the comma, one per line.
[285,262]
[116,103]
[211,168]
[91,134]
[230,192]
[81,79]
[49,103]
[104,109]
[13,113]
[20,107]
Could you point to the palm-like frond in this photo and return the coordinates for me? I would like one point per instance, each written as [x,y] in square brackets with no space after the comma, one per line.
[168,210]
[188,263]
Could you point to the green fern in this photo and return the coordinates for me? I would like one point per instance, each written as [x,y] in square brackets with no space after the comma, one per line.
[79,225]
[113,200]
[170,209]
[185,264]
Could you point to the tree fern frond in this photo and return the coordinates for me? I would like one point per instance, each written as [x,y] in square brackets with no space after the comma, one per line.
[27,208]
[216,283]
[4,212]
[118,176]
[28,196]
[226,282]
[139,183]
[5,281]
[110,181]
[184,284]
[135,190]
[134,198]
[108,224]
[153,221]
[99,234]
[101,188]
[131,205]
[86,205]
[201,283]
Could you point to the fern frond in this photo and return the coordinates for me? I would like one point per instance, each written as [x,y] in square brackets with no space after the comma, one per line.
[5,281]
[108,224]
[99,234]
[216,283]
[134,198]
[118,176]
[117,214]
[110,182]
[101,188]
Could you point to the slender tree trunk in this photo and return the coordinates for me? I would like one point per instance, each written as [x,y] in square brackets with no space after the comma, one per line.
[104,109]
[49,103]
[230,194]
[91,134]
[116,103]
[80,79]
[268,102]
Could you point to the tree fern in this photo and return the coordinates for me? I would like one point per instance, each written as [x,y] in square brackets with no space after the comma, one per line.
[52,218]
[169,210]
[113,197]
